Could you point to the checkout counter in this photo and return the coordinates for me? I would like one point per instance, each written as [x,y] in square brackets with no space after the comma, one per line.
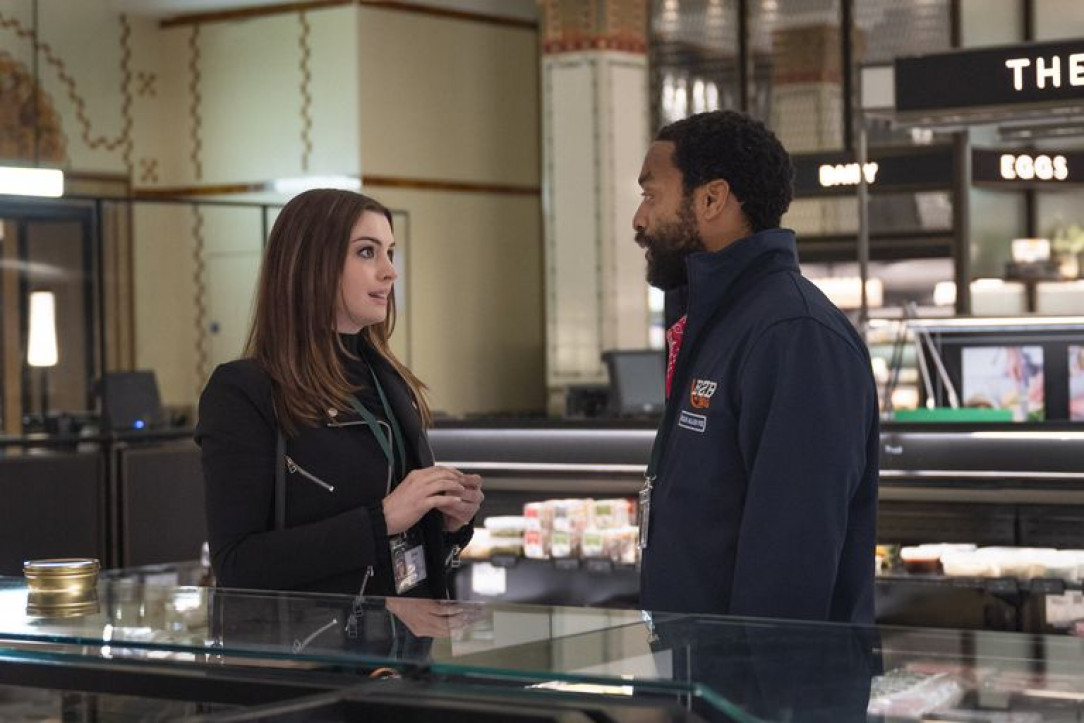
[153,645]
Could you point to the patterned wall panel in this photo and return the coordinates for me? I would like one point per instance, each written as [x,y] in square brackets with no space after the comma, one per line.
[574,25]
[694,58]
[24,107]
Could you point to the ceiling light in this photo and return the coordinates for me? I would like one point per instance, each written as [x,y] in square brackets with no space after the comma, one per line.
[15,181]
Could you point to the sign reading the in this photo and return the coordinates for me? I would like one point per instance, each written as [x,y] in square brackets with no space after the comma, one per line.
[1038,73]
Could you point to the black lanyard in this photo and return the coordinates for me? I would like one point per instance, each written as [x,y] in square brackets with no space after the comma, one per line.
[378,432]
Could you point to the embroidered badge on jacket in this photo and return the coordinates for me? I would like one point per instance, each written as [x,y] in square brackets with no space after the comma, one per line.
[701,393]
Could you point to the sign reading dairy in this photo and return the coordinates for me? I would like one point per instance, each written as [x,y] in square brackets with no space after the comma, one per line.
[847,174]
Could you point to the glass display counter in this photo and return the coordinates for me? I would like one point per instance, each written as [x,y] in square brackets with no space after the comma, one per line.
[243,655]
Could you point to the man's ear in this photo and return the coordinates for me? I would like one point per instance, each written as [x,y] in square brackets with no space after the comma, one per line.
[714,197]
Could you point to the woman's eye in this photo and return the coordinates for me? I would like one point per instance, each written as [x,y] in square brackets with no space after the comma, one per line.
[391,255]
[366,252]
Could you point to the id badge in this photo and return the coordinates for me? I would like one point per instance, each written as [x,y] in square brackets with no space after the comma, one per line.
[408,561]
[645,510]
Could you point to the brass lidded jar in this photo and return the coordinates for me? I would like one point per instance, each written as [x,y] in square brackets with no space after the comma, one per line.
[61,587]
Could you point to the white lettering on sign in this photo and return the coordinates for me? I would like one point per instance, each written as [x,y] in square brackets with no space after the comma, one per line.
[1047,70]
[1076,69]
[847,174]
[1028,168]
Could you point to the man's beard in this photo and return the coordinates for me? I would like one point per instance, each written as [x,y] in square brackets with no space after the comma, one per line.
[668,247]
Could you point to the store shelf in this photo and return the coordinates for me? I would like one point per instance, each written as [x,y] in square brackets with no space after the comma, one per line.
[993,585]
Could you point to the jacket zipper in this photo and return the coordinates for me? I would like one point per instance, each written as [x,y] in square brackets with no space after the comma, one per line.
[365,581]
[300,645]
[294,468]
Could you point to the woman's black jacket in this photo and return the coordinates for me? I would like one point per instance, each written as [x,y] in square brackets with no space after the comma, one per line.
[335,539]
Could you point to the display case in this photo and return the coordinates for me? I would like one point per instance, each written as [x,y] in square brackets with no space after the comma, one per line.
[213,654]
[1018,485]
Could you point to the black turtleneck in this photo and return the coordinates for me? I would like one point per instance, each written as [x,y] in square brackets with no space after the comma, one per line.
[359,375]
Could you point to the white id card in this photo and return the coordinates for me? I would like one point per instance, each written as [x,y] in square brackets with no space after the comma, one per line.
[408,561]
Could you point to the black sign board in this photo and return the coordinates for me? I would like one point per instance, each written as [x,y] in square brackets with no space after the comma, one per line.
[910,169]
[1039,73]
[1027,168]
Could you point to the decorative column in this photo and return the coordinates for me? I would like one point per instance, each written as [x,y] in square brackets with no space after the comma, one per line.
[595,115]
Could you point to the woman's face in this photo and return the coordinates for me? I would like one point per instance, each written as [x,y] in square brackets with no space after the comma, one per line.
[368,275]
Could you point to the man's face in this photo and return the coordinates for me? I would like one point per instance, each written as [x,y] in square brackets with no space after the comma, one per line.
[665,224]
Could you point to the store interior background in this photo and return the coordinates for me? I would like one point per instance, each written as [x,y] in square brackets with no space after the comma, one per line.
[480,124]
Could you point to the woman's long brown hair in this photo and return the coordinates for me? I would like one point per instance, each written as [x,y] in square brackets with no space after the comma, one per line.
[293,334]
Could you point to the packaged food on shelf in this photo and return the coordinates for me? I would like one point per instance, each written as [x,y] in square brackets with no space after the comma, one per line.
[926,559]
[536,544]
[506,534]
[480,547]
[561,545]
[970,563]
[593,543]
[622,545]
[1064,564]
[1022,562]
[570,515]
[608,514]
[909,695]
[539,515]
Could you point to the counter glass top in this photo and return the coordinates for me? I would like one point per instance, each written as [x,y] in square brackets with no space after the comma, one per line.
[739,669]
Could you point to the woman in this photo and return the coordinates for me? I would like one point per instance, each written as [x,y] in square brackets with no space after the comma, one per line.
[321,403]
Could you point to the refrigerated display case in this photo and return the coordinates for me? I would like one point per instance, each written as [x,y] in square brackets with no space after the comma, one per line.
[989,485]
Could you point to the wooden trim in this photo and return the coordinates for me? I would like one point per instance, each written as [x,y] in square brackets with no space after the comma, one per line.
[414,184]
[97,177]
[222,16]
[256,11]
[451,14]
[431,184]
[11,366]
[224,189]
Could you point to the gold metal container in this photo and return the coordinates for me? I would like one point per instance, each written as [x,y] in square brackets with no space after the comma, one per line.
[61,587]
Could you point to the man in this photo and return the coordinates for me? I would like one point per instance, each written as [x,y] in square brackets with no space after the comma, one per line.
[764,500]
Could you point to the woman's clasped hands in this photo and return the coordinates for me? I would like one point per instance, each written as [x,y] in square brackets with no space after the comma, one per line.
[457,495]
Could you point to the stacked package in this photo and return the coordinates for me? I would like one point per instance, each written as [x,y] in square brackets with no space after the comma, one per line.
[581,528]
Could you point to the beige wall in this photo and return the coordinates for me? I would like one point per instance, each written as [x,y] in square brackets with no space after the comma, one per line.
[448,99]
[474,299]
[164,275]
[230,102]
[465,110]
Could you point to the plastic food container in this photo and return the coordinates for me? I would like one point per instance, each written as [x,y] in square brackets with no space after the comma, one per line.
[921,560]
[506,534]
[969,563]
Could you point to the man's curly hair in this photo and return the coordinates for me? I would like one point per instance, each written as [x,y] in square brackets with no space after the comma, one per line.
[740,150]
